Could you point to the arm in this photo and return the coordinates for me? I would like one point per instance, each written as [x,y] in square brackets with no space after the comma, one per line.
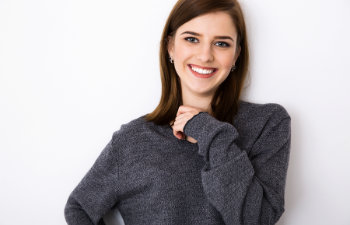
[245,190]
[96,193]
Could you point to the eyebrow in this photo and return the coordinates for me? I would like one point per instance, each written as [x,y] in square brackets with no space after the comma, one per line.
[216,37]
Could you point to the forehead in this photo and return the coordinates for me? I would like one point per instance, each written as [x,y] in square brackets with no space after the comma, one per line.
[215,23]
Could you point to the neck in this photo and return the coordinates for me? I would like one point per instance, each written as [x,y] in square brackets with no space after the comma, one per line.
[201,102]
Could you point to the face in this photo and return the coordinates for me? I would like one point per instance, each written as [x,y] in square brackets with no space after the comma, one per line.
[204,51]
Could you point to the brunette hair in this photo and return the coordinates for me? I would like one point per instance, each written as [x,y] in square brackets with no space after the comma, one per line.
[225,101]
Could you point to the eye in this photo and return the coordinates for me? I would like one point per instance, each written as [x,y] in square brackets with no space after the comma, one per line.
[191,39]
[222,44]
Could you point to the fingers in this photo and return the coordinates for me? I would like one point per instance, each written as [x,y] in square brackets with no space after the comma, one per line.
[179,135]
[177,131]
[181,121]
[183,109]
[179,125]
[183,115]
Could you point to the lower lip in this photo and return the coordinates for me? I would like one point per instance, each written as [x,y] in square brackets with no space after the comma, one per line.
[202,75]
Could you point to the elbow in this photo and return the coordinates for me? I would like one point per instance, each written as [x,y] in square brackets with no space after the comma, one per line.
[270,214]
[278,214]
[75,214]
[69,211]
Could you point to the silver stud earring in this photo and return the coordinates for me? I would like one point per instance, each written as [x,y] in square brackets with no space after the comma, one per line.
[233,68]
[171,60]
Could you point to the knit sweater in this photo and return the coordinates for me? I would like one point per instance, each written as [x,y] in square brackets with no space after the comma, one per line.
[234,174]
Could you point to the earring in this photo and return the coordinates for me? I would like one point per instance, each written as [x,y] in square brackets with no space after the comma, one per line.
[233,68]
[171,60]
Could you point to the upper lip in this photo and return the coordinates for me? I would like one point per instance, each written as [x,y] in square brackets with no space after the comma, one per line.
[205,68]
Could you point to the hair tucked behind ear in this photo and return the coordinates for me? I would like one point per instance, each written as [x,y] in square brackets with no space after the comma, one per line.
[225,102]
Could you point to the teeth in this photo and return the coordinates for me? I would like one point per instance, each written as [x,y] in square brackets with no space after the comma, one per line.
[201,71]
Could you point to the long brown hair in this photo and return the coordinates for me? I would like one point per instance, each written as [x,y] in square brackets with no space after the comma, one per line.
[225,101]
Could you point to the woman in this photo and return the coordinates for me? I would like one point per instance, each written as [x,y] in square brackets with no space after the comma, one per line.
[202,156]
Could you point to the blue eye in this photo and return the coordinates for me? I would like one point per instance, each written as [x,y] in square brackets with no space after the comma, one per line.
[192,39]
[222,44]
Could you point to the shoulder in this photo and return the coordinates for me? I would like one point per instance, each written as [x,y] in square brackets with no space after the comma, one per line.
[249,110]
[130,130]
[254,118]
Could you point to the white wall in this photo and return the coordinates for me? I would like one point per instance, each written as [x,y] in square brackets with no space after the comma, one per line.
[71,72]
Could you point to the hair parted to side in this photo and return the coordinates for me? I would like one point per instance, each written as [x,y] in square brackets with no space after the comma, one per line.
[225,101]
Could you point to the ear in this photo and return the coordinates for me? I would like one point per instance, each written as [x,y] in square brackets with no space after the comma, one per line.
[170,46]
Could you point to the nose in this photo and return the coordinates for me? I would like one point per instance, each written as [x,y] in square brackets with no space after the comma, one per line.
[205,53]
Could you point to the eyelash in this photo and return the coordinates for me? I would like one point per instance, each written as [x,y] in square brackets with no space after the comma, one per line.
[222,43]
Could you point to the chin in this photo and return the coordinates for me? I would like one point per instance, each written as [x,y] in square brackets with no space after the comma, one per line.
[204,91]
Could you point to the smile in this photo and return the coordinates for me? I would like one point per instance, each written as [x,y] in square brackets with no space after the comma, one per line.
[202,72]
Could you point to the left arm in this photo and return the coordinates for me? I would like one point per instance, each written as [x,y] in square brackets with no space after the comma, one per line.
[245,190]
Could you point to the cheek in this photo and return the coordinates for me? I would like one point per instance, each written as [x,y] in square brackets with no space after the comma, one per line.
[182,51]
[226,60]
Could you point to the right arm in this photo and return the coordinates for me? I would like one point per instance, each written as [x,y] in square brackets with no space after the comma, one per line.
[96,194]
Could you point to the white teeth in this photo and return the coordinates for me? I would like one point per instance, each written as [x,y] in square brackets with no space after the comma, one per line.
[201,71]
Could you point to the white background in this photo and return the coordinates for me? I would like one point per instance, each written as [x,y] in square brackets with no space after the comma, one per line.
[71,72]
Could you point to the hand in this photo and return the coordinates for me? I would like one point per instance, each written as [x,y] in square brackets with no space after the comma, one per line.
[184,114]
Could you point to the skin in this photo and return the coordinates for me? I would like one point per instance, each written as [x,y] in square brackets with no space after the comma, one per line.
[207,42]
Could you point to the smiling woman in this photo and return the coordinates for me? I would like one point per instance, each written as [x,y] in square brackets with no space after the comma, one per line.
[202,156]
[214,29]
[199,52]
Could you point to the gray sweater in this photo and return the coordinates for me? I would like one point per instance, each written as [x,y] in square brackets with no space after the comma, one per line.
[232,175]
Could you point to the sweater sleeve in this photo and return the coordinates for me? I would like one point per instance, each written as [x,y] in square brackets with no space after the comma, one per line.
[96,194]
[244,189]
